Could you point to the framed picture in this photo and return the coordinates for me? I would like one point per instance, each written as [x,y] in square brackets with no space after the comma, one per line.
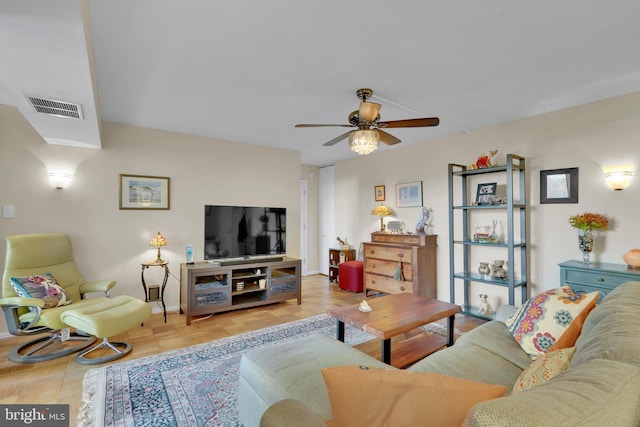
[409,194]
[486,193]
[379,192]
[559,186]
[144,192]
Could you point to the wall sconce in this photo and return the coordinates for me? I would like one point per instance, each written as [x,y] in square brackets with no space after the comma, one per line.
[618,177]
[60,179]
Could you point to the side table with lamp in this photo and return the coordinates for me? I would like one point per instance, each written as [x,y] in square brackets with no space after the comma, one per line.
[155,293]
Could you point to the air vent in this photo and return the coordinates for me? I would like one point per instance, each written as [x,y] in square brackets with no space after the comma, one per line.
[56,108]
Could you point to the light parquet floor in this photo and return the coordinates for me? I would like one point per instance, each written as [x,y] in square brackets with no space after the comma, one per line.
[60,381]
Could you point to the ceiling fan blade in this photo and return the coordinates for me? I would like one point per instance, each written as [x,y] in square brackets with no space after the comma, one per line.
[369,111]
[307,125]
[411,123]
[387,138]
[336,139]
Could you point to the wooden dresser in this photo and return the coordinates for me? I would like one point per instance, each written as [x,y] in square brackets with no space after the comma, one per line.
[416,252]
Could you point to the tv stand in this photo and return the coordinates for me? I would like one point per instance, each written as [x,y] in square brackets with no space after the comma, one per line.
[250,260]
[207,288]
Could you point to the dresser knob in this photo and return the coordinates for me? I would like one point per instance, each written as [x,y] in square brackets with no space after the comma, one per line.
[600,279]
[402,288]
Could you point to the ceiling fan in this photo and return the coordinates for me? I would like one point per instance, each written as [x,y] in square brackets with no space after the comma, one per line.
[365,139]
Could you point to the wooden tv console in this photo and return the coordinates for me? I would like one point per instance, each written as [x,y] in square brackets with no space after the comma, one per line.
[207,288]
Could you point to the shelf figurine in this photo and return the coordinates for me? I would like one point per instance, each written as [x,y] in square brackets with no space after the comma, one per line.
[484,161]
[421,228]
[498,270]
[484,270]
[485,308]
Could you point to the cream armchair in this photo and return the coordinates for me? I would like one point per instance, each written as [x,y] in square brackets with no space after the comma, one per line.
[31,255]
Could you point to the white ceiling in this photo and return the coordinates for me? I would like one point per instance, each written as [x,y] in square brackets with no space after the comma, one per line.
[248,71]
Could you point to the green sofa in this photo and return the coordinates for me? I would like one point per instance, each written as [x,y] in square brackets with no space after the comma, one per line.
[282,385]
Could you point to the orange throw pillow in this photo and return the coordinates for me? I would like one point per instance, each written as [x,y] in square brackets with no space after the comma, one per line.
[369,397]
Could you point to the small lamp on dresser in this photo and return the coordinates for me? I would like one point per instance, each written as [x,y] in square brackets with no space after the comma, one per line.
[382,211]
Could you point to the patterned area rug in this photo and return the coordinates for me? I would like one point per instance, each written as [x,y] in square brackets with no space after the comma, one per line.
[194,386]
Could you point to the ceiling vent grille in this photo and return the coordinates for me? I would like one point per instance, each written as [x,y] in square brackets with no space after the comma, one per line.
[55,108]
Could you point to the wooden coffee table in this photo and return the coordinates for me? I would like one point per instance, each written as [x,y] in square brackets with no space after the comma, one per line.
[396,318]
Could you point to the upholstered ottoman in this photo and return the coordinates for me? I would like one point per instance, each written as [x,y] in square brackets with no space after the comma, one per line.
[104,320]
[350,276]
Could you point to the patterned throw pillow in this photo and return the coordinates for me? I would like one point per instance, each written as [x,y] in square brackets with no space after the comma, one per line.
[551,319]
[543,369]
[43,286]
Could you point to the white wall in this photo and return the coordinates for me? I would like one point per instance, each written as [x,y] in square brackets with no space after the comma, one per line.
[587,137]
[111,243]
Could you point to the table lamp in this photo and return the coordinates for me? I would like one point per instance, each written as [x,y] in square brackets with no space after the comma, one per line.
[157,241]
[381,211]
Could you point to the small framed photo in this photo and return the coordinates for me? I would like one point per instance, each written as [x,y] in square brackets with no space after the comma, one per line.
[144,192]
[379,193]
[559,186]
[409,194]
[486,193]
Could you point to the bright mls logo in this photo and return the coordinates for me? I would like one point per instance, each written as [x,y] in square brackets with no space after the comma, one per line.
[34,415]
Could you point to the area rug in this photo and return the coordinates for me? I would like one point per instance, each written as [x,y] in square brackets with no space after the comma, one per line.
[193,386]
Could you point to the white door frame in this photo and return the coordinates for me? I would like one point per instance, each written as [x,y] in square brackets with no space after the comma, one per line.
[303,225]
[327,216]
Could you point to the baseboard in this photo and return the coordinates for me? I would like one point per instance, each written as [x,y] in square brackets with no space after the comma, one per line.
[157,309]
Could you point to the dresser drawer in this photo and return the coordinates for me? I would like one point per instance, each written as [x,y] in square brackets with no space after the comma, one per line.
[595,279]
[386,268]
[386,284]
[388,252]
[409,240]
[405,239]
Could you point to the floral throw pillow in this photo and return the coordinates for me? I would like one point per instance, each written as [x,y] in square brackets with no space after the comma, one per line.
[43,286]
[551,319]
[543,369]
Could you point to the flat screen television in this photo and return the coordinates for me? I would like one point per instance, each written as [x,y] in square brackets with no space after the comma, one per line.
[243,232]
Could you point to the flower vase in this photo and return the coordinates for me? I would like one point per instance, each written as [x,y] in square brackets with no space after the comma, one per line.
[585,242]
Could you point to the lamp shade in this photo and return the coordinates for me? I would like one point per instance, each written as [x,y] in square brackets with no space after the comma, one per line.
[158,240]
[364,141]
[381,211]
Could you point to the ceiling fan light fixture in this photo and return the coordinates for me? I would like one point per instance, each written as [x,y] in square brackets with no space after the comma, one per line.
[364,141]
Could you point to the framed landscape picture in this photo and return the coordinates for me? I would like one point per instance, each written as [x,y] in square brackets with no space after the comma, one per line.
[144,192]
[409,194]
[379,193]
